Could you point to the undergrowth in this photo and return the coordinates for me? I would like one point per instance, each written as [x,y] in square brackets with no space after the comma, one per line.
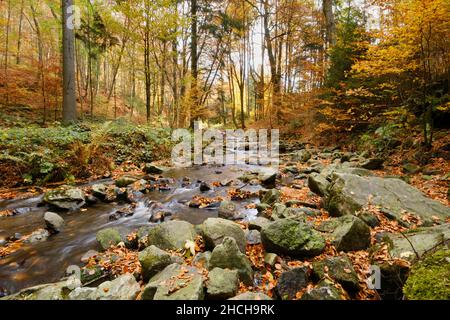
[36,155]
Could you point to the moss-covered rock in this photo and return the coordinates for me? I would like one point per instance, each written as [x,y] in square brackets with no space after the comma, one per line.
[53,291]
[171,235]
[430,278]
[290,237]
[271,197]
[228,256]
[153,260]
[125,181]
[108,237]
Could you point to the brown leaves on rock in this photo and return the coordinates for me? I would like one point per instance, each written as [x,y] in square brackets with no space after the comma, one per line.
[303,194]
[117,260]
[239,194]
[6,213]
[203,202]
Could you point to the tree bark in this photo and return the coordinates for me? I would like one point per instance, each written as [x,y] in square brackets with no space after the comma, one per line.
[194,64]
[69,100]
[330,24]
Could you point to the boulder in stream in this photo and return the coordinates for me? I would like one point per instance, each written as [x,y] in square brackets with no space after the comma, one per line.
[108,237]
[54,222]
[65,198]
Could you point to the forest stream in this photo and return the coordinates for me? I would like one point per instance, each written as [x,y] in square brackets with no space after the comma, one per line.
[45,262]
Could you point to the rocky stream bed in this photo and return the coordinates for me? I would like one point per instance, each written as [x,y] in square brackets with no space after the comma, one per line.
[311,231]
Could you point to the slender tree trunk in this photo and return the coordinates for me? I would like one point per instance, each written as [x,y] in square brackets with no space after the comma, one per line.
[8,22]
[69,99]
[330,24]
[194,64]
[19,35]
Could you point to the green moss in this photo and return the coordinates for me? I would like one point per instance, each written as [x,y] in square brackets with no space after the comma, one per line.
[430,278]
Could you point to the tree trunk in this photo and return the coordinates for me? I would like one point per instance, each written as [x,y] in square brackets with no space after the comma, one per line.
[8,22]
[69,100]
[330,24]
[194,64]
[19,36]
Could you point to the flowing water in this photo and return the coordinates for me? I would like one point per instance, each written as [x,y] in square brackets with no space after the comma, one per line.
[47,261]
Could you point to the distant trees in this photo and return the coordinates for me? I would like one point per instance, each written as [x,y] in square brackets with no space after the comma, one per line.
[171,62]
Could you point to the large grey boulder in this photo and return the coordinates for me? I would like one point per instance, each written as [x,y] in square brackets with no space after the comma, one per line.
[153,260]
[175,282]
[222,283]
[53,221]
[350,193]
[65,198]
[228,256]
[258,223]
[171,235]
[417,241]
[290,237]
[214,230]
